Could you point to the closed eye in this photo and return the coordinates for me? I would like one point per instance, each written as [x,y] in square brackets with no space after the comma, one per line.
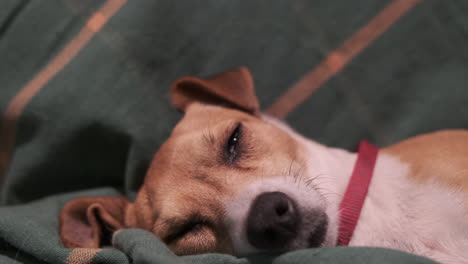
[191,227]
[232,147]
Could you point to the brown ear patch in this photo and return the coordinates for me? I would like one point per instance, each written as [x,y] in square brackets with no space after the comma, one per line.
[233,89]
[84,222]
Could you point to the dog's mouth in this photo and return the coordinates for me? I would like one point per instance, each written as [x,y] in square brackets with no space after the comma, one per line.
[318,234]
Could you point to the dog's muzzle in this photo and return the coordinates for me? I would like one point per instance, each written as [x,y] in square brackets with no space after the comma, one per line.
[275,224]
[273,221]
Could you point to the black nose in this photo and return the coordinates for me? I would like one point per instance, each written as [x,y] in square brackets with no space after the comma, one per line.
[273,221]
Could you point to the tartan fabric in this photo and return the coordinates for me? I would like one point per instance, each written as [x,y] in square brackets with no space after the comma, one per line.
[91,123]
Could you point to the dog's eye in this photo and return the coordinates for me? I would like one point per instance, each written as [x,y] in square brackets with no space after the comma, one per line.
[232,147]
[192,227]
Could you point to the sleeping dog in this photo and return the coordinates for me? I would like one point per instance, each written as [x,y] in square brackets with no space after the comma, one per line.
[230,179]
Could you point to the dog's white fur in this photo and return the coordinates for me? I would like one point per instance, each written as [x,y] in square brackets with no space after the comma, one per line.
[424,219]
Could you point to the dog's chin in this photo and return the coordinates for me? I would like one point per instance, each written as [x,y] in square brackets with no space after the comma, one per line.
[314,231]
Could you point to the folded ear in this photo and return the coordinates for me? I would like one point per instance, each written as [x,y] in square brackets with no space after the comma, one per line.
[232,89]
[85,221]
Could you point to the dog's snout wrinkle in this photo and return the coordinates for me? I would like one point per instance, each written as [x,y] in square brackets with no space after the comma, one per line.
[273,221]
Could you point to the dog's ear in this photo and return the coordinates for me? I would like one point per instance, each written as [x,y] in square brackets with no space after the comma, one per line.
[232,89]
[84,222]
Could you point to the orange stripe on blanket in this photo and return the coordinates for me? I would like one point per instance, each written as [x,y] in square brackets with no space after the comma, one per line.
[82,255]
[337,59]
[9,122]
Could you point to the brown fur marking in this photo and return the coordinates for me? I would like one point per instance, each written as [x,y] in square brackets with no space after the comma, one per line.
[440,156]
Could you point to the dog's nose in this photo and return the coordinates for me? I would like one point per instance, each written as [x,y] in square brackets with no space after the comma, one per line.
[273,221]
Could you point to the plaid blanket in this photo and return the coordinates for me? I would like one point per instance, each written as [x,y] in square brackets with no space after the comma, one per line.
[84,102]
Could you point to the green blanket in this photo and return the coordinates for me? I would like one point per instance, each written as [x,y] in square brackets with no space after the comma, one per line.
[29,235]
[93,127]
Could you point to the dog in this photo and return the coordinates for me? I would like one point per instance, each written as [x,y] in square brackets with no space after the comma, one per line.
[230,179]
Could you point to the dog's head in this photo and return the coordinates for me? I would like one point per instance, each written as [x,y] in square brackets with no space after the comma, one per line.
[228,179]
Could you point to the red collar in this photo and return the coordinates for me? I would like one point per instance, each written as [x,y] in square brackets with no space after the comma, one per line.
[353,200]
